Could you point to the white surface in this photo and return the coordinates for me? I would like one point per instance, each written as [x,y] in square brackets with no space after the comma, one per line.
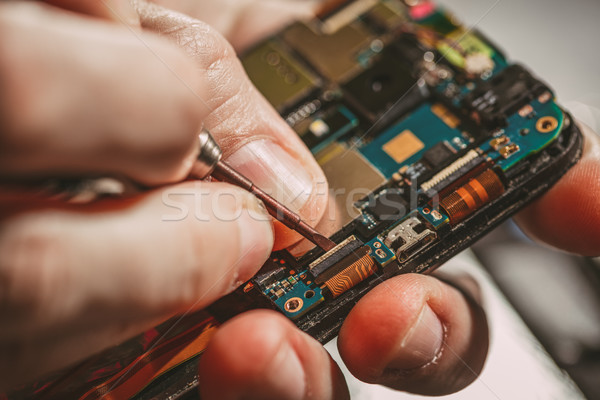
[558,40]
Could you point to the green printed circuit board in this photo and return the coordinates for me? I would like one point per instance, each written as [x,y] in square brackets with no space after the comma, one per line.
[444,137]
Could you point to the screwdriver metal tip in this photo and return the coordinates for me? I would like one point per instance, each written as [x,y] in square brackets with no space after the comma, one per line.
[224,172]
[314,236]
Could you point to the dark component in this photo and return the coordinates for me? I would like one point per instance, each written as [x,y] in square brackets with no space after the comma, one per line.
[334,258]
[270,273]
[387,87]
[337,123]
[465,170]
[341,265]
[492,102]
[438,155]
[410,49]
[389,205]
[224,172]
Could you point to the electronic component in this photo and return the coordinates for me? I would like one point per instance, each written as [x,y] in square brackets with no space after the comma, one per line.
[389,205]
[408,237]
[278,75]
[384,83]
[467,161]
[438,155]
[272,271]
[498,142]
[493,101]
[509,150]
[327,260]
[445,115]
[333,55]
[380,252]
[341,265]
[464,49]
[422,124]
[294,297]
[467,199]
[350,178]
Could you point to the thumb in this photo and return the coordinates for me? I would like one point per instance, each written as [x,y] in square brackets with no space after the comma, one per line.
[75,280]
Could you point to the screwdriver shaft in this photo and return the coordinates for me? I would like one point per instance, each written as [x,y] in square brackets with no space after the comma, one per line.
[226,173]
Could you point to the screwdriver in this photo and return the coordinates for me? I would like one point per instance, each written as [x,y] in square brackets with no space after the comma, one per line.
[209,162]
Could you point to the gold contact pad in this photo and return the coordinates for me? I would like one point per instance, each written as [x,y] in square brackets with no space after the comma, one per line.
[403,146]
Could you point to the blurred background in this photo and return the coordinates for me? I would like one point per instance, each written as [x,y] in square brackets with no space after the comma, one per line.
[543,305]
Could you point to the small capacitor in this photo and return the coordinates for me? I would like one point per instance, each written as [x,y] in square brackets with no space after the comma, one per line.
[468,198]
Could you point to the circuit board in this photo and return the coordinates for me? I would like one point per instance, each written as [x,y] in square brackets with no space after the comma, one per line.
[442,137]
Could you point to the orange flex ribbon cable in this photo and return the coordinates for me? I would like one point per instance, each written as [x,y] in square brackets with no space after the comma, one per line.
[155,362]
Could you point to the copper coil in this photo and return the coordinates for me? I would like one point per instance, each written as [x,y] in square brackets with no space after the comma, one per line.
[467,199]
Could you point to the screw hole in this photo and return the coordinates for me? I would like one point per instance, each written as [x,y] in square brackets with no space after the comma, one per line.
[546,124]
[294,304]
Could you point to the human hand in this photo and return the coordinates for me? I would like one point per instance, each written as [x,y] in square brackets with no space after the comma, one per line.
[85,96]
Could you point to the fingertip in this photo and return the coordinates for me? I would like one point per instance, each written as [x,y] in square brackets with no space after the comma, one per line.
[251,357]
[389,317]
[262,355]
[417,334]
[568,215]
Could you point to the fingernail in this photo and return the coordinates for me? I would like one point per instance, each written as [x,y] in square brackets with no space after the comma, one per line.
[285,378]
[272,169]
[422,344]
[255,238]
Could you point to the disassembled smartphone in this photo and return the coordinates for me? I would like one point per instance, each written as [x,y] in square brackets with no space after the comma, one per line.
[437,134]
[434,133]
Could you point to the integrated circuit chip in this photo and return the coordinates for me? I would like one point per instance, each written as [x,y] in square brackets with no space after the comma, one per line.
[493,101]
[438,154]
[389,205]
[278,75]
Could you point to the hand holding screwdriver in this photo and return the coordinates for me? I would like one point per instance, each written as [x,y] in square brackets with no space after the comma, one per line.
[209,163]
